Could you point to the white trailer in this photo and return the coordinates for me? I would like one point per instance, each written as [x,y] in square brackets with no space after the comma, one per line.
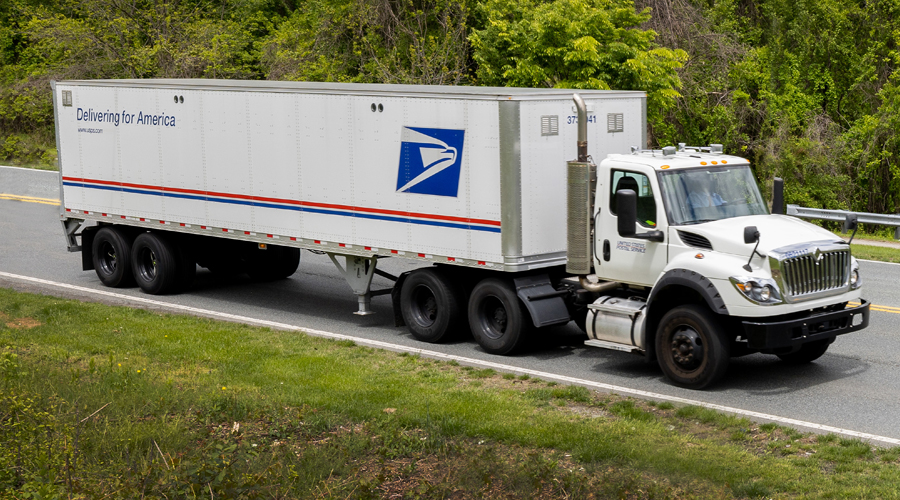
[161,175]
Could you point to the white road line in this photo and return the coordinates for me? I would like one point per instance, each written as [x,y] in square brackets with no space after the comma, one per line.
[468,361]
[31,169]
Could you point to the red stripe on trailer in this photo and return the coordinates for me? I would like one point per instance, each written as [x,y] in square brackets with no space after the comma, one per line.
[317,242]
[268,236]
[422,255]
[368,248]
[162,222]
[224,230]
[246,232]
[103,214]
[352,208]
[86,212]
[342,245]
[451,259]
[122,216]
[293,239]
[394,251]
[68,210]
[182,224]
[481,263]
[142,219]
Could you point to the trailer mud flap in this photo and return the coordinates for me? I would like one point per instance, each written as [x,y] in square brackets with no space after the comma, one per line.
[87,247]
[544,303]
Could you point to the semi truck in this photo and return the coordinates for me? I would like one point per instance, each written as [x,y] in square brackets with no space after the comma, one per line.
[671,254]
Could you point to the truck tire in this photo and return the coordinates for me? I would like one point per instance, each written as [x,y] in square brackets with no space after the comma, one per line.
[808,352]
[690,347]
[155,264]
[431,305]
[111,252]
[497,318]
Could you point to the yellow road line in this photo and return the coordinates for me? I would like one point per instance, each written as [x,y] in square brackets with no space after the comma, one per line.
[873,307]
[28,199]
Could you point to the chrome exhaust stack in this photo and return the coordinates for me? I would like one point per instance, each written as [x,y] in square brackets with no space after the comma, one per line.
[581,187]
[582,181]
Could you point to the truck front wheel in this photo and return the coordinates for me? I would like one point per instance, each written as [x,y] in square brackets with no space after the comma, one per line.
[431,305]
[690,347]
[155,264]
[111,252]
[498,320]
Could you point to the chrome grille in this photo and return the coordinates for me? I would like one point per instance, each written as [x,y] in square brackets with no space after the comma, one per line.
[816,272]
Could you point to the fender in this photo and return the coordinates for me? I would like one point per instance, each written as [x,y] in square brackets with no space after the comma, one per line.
[694,281]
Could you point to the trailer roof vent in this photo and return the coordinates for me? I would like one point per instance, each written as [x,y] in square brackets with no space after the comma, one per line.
[695,240]
[550,125]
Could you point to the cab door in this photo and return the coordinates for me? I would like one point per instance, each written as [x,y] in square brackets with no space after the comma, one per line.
[629,260]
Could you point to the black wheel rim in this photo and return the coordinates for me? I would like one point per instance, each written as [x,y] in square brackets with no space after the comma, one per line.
[147,264]
[493,317]
[687,348]
[107,258]
[424,306]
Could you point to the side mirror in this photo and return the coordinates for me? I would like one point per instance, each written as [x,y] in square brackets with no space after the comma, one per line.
[849,223]
[751,235]
[778,196]
[626,212]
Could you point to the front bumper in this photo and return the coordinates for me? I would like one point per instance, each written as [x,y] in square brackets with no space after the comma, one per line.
[791,333]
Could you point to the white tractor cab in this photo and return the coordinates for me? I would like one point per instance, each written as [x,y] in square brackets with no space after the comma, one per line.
[702,270]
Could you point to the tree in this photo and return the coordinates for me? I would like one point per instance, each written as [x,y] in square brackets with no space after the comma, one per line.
[581,44]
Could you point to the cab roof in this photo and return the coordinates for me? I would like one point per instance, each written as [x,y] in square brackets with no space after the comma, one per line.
[684,159]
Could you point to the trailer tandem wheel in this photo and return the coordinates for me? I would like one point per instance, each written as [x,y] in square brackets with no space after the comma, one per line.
[497,317]
[155,264]
[111,251]
[431,305]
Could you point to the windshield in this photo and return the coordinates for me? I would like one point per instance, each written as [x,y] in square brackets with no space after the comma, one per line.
[696,195]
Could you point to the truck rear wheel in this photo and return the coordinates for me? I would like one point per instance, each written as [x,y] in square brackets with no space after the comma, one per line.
[431,305]
[690,347]
[111,252]
[498,320]
[808,352]
[155,264]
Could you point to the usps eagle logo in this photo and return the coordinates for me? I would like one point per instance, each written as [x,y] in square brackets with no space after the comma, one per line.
[430,161]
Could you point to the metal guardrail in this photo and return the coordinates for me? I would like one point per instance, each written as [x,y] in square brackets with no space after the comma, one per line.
[840,215]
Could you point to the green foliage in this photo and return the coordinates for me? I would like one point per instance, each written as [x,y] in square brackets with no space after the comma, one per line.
[384,41]
[582,44]
[803,89]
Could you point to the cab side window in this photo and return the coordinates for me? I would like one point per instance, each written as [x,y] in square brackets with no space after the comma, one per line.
[640,184]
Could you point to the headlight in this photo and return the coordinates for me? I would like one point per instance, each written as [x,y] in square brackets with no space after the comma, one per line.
[855,279]
[762,291]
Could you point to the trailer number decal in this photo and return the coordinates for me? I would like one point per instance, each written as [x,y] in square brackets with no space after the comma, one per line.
[430,160]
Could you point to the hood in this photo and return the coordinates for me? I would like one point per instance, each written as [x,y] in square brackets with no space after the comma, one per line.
[775,231]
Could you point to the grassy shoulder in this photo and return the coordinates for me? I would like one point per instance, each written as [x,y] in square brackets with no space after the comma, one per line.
[99,401]
[870,252]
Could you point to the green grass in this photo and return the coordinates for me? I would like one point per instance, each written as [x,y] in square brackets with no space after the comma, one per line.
[869,252]
[99,401]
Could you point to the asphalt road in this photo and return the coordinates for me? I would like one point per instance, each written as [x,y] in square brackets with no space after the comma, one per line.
[855,386]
